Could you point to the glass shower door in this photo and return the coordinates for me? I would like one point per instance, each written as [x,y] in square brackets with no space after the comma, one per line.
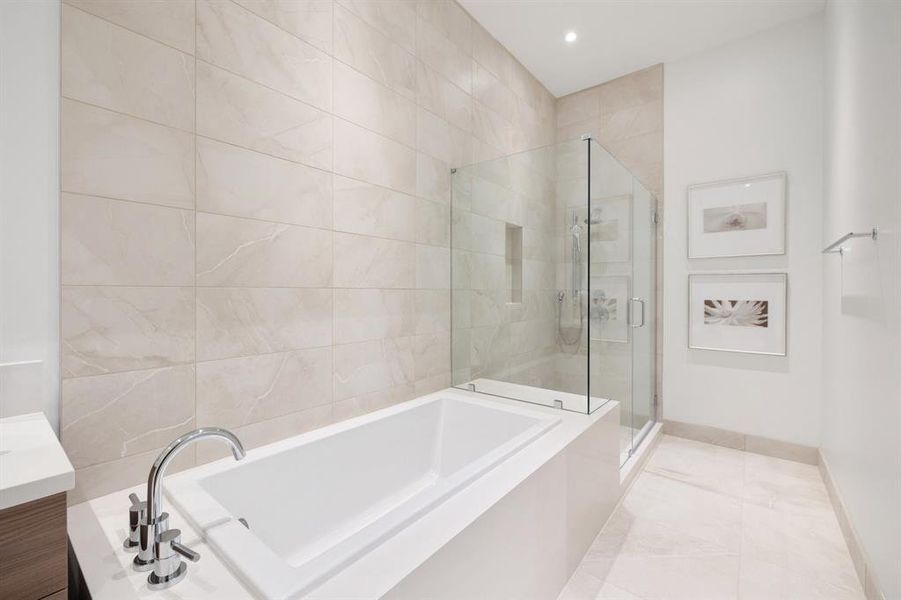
[643,312]
[621,294]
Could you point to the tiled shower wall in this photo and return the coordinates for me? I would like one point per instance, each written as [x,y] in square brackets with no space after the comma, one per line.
[255,221]
[625,116]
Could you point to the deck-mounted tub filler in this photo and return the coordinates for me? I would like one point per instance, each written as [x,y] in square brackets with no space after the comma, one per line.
[451,495]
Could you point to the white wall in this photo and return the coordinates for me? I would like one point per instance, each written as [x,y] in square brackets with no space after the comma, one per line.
[861,425]
[749,107]
[29,213]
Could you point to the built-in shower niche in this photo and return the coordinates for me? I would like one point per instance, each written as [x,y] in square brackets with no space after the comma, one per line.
[513,256]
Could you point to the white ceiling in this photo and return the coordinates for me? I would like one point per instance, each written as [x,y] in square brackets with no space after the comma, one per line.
[617,37]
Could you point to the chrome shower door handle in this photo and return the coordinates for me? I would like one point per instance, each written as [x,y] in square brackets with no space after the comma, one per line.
[632,322]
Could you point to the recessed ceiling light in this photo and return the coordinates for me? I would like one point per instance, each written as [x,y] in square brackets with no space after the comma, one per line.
[570,37]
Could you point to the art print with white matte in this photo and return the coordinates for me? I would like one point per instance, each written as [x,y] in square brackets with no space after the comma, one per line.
[740,217]
[741,312]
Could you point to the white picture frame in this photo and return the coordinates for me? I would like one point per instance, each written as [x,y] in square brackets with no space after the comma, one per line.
[738,312]
[737,217]
[608,308]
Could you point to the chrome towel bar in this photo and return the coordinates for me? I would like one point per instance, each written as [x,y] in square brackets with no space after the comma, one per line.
[836,246]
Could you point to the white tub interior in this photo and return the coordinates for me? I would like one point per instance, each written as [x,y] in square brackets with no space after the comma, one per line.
[317,503]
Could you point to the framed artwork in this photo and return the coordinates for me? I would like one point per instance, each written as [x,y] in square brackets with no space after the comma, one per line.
[740,312]
[610,229]
[608,306]
[739,217]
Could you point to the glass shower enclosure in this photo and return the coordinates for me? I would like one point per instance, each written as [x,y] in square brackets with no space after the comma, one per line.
[553,283]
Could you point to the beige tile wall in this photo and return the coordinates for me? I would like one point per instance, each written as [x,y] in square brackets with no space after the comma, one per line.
[625,116]
[255,223]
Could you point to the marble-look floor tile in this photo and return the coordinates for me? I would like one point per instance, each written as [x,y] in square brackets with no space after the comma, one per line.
[664,517]
[786,486]
[677,577]
[765,531]
[763,579]
[710,467]
[812,546]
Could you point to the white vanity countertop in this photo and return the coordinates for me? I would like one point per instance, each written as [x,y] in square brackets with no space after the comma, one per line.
[33,464]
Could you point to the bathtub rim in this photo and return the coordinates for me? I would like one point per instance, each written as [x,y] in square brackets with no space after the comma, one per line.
[274,576]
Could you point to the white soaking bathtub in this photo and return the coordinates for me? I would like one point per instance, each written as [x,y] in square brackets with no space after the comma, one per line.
[316,503]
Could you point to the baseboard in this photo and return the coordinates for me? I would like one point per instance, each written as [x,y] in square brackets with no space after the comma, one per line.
[868,580]
[743,441]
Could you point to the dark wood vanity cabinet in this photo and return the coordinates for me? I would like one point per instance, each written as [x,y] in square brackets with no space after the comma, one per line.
[33,550]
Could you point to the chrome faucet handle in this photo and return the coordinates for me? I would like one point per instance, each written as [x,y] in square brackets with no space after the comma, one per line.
[136,513]
[147,533]
[168,568]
